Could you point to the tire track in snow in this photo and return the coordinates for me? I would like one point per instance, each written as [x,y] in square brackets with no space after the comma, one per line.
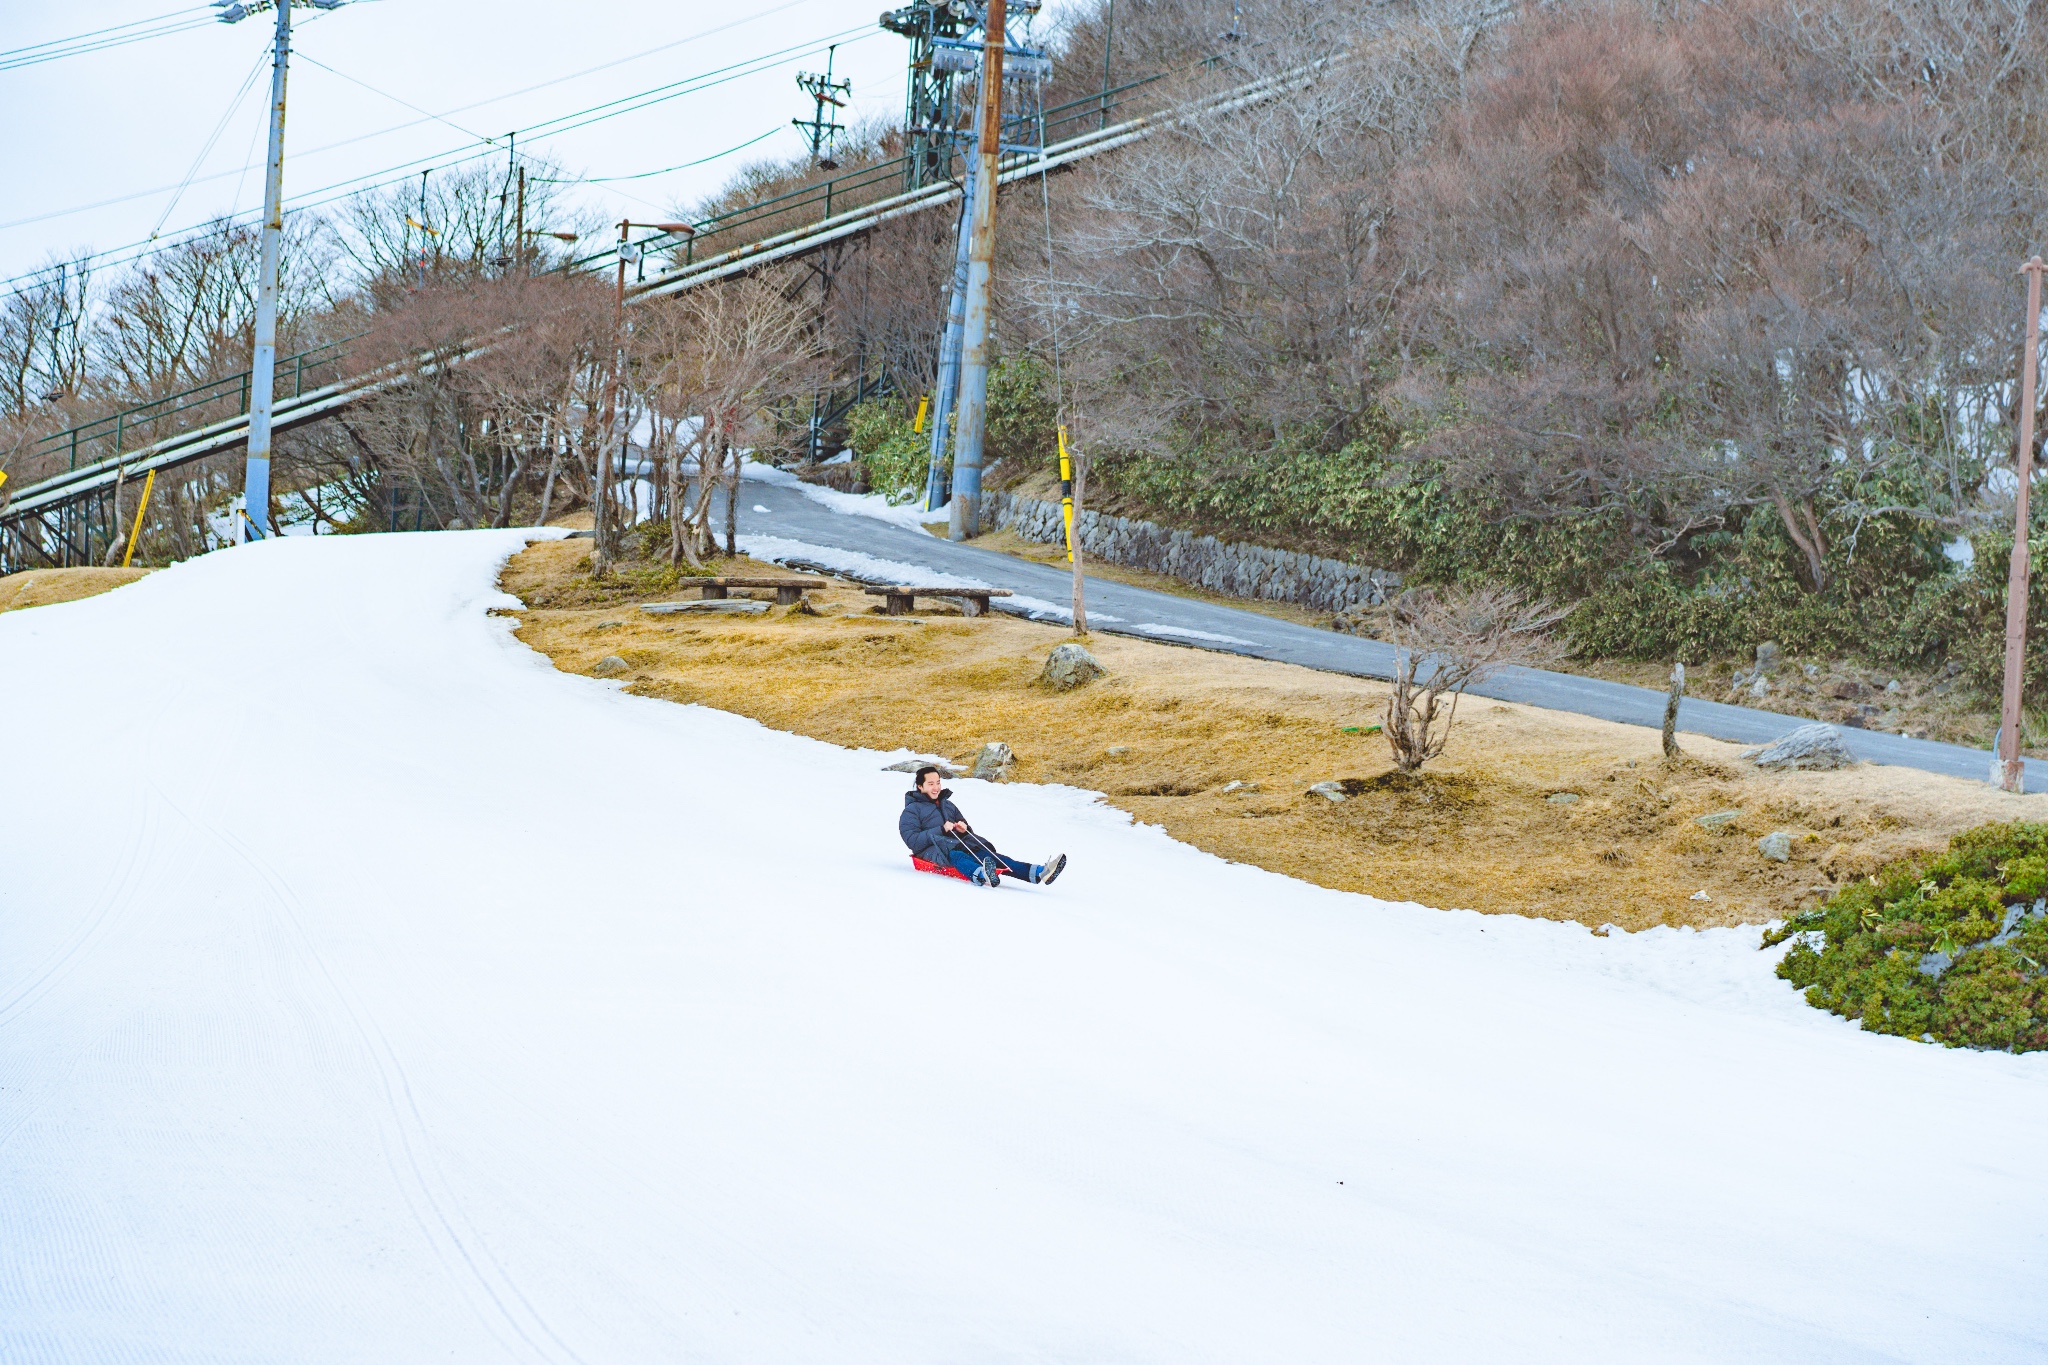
[445,1222]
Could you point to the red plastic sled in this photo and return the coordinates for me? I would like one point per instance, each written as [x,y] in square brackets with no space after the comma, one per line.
[922,866]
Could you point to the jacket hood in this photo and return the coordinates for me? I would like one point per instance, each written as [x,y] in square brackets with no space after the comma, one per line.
[913,796]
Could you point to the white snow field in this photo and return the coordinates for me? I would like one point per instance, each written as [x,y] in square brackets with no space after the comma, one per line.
[372,992]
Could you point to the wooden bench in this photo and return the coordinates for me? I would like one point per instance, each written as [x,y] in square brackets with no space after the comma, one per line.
[899,601]
[788,591]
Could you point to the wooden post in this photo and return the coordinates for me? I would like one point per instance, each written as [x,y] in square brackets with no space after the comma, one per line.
[2010,766]
[1671,710]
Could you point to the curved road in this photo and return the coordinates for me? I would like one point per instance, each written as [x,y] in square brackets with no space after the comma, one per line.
[778,509]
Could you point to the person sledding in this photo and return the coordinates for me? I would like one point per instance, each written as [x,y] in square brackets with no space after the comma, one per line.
[941,840]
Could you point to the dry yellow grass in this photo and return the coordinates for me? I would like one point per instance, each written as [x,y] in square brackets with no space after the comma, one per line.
[42,587]
[1170,727]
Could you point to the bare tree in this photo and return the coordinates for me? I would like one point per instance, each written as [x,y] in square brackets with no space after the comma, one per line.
[496,375]
[1448,640]
[713,365]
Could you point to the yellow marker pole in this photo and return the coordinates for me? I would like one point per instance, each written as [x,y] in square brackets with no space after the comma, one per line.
[140,508]
[924,405]
[1067,493]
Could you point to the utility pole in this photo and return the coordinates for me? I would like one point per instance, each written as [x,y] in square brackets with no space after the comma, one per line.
[1108,36]
[2011,769]
[935,491]
[965,521]
[519,241]
[820,130]
[263,364]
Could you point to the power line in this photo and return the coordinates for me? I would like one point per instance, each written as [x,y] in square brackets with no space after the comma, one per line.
[248,83]
[386,94]
[100,32]
[647,175]
[101,39]
[453,157]
[700,81]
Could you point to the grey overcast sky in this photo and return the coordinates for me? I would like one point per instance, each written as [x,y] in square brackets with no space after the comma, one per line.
[95,145]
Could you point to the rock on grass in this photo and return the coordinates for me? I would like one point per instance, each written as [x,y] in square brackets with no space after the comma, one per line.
[1069,666]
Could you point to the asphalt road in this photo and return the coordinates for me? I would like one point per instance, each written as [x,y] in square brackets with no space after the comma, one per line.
[1160,616]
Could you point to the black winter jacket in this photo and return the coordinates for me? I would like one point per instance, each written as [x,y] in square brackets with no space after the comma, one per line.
[922,822]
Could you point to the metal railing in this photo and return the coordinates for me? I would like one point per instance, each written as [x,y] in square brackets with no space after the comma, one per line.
[86,438]
[737,227]
[1084,121]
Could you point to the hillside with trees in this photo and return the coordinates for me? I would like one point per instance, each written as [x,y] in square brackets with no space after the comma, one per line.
[1698,317]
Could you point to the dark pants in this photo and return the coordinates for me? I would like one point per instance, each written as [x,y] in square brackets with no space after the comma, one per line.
[1009,867]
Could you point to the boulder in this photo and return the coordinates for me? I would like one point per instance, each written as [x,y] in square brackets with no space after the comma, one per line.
[992,762]
[1777,846]
[1329,791]
[1563,798]
[1811,747]
[1229,787]
[1069,666]
[1718,819]
[1768,657]
[610,666]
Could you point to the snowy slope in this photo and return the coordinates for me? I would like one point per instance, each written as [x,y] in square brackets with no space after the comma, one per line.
[369,991]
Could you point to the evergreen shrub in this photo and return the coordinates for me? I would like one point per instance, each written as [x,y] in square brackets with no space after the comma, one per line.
[1948,951]
[1890,593]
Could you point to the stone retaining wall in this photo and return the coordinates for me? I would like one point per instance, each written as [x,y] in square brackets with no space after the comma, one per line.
[1238,570]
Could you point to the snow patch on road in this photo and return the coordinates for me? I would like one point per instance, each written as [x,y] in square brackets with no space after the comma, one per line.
[1185,633]
[873,506]
[862,568]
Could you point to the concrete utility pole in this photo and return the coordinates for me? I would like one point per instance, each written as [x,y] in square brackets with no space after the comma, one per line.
[949,352]
[972,429]
[2010,766]
[263,364]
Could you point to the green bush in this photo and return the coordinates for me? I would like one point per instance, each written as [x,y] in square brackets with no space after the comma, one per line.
[1023,419]
[893,458]
[1952,950]
[1890,593]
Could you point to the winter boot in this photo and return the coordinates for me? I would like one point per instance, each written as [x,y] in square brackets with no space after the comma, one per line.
[1051,868]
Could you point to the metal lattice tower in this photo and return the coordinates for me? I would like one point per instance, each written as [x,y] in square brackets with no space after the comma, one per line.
[939,55]
[945,54]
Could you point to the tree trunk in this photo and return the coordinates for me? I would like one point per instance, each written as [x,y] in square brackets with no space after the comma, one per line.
[547,488]
[1811,546]
[731,460]
[1080,580]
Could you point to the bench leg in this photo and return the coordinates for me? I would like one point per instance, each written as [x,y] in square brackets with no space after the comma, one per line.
[898,604]
[712,590]
[973,606]
[788,597]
